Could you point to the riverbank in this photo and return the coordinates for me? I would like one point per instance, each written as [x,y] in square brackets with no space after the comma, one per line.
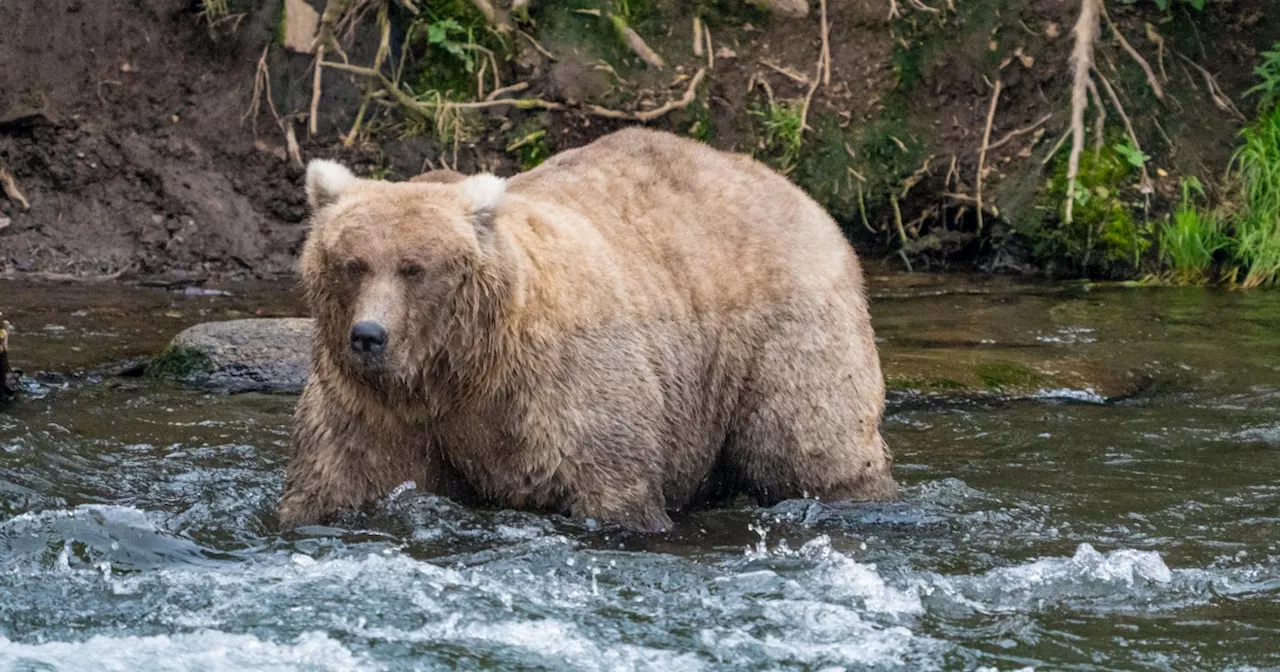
[166,152]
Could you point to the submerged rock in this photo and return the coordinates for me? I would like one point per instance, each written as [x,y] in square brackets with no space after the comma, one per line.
[251,355]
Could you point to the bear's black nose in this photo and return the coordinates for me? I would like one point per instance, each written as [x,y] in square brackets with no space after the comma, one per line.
[368,338]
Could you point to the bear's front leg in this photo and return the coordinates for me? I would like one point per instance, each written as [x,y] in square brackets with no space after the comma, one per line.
[346,453]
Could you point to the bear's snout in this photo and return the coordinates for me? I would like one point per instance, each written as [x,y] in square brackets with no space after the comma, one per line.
[368,338]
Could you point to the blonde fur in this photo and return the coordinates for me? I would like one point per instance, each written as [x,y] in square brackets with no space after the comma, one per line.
[639,326]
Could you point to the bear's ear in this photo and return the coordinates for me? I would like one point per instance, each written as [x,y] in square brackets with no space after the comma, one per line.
[326,180]
[483,193]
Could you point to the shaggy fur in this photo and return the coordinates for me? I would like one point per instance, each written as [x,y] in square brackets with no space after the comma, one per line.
[638,326]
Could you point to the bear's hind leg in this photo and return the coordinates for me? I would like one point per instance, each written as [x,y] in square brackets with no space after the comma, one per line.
[807,423]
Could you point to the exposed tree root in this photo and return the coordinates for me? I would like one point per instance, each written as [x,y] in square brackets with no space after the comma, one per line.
[1086,31]
[824,70]
[435,109]
[1100,121]
[261,85]
[537,46]
[1146,186]
[1220,99]
[689,96]
[986,140]
[10,187]
[1133,53]
[1018,132]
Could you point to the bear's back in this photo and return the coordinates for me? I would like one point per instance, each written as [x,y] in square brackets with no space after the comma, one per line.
[670,224]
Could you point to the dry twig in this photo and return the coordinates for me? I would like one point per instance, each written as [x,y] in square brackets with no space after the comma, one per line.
[649,115]
[10,187]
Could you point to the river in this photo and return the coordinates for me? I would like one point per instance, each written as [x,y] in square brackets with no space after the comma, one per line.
[1091,480]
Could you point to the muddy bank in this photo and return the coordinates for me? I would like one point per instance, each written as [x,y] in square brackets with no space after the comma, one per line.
[149,139]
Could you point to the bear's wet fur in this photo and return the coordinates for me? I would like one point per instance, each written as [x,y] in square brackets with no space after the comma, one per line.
[639,326]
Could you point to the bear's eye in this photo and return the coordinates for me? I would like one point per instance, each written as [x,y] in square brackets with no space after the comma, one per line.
[411,270]
[355,267]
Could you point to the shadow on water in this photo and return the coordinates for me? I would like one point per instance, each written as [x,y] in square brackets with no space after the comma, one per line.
[1069,531]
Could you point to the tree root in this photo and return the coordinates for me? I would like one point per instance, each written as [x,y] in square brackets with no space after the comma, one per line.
[824,69]
[1220,99]
[689,96]
[10,187]
[1086,31]
[986,140]
[261,85]
[635,43]
[1133,53]
[1014,134]
[1146,186]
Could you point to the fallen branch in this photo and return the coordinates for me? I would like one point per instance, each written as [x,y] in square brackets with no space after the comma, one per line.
[1086,31]
[986,140]
[698,42]
[1142,62]
[11,189]
[689,96]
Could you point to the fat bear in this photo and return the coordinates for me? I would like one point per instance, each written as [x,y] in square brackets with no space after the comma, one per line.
[636,327]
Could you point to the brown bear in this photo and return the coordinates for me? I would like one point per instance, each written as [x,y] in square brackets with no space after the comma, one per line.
[639,326]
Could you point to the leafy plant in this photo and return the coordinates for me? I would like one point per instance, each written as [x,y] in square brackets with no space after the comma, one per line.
[781,129]
[1127,151]
[1268,89]
[443,34]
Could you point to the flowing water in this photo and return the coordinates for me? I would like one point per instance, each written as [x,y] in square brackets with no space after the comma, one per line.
[1069,528]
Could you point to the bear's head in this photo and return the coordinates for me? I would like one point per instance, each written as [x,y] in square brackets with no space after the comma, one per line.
[385,262]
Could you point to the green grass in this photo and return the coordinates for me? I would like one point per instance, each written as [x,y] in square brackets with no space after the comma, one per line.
[1192,238]
[1256,166]
[780,129]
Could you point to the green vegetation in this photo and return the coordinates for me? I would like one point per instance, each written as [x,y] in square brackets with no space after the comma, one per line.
[529,145]
[781,129]
[179,362]
[1190,241]
[1004,375]
[1256,167]
[1104,235]
[1247,249]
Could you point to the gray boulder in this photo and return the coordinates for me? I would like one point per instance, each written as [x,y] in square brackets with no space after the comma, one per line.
[252,355]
